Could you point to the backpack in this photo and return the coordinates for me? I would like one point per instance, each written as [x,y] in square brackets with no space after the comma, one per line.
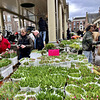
[39,42]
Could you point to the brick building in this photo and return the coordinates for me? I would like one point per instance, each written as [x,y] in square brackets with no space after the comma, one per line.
[78,23]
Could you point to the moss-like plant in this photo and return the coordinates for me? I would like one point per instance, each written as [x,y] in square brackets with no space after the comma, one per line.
[26,63]
[61,45]
[50,46]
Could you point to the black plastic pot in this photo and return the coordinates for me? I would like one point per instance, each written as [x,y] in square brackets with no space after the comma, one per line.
[80,52]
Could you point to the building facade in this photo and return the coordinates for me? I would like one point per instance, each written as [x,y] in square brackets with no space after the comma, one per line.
[78,23]
[57,12]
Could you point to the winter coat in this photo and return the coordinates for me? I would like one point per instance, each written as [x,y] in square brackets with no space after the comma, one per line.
[27,41]
[42,25]
[87,41]
[4,44]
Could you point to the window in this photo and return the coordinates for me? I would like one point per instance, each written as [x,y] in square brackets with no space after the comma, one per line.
[80,22]
[8,18]
[77,23]
[9,27]
[74,23]
[4,17]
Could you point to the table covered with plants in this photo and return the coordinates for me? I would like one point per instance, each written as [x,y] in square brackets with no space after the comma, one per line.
[64,77]
[7,60]
[52,79]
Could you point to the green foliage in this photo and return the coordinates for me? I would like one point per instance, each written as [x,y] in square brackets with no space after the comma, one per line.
[68,42]
[8,90]
[61,45]
[48,96]
[26,63]
[4,62]
[43,52]
[74,90]
[30,93]
[74,45]
[9,54]
[50,46]
[20,98]
[31,98]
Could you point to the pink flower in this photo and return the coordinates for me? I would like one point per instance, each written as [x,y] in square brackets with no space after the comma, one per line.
[92,68]
[24,95]
[74,96]
[97,96]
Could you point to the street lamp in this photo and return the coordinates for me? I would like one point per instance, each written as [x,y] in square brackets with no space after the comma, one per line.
[27,5]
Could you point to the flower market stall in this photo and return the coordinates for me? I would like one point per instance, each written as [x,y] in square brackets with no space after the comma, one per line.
[42,77]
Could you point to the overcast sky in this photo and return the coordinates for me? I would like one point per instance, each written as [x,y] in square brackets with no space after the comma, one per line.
[78,8]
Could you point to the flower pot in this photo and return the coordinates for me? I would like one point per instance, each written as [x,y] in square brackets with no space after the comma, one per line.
[80,52]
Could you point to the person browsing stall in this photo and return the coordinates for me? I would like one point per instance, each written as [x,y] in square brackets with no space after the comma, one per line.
[4,44]
[24,44]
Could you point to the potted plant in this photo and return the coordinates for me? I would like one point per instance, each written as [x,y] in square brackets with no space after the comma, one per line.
[61,45]
[43,52]
[50,46]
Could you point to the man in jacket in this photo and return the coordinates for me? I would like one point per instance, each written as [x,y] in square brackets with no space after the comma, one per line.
[24,44]
[4,44]
[87,43]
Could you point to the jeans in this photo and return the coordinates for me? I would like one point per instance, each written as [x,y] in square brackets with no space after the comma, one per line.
[44,34]
[88,54]
[35,44]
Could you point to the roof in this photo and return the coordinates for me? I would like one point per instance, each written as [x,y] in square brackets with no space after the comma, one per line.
[96,19]
[76,18]
[92,17]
